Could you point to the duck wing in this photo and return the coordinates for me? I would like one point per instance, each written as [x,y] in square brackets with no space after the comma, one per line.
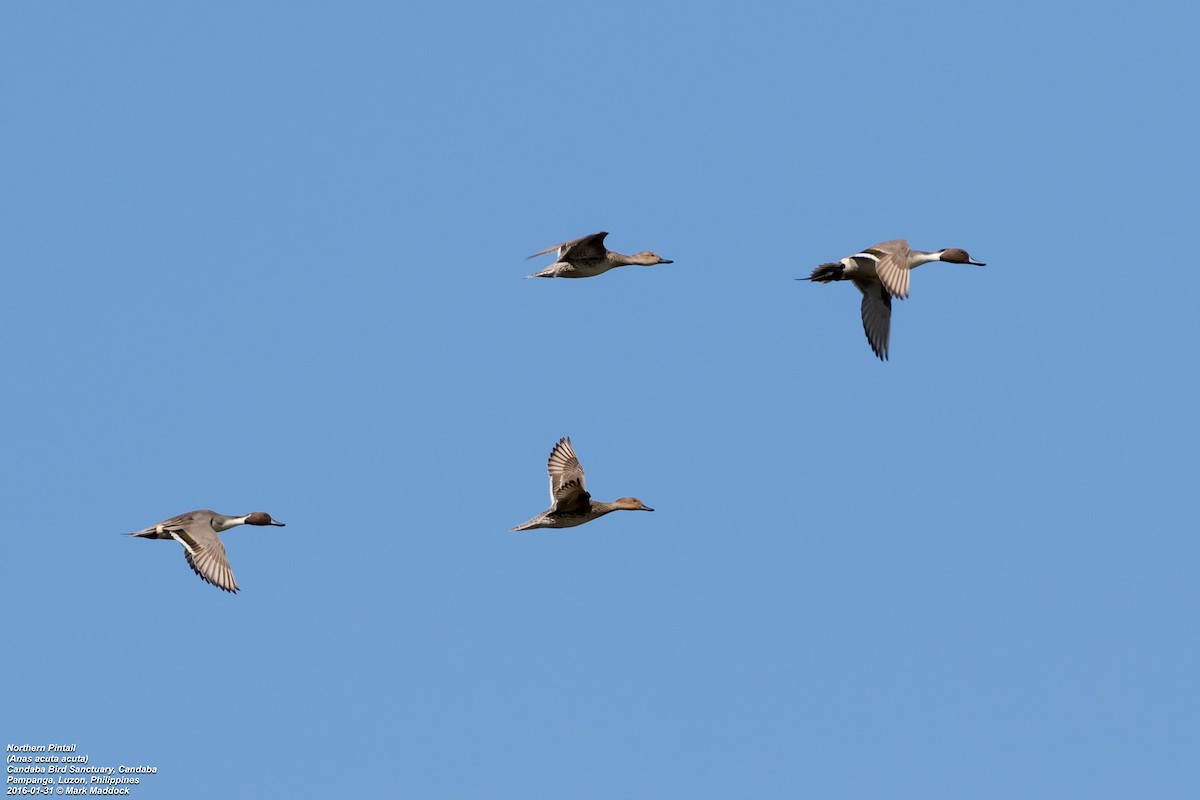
[876,315]
[891,265]
[583,248]
[205,554]
[567,492]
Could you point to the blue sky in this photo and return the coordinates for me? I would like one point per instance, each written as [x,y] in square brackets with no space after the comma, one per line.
[268,257]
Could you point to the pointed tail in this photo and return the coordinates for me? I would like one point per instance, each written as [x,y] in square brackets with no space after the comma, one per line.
[826,273]
[533,523]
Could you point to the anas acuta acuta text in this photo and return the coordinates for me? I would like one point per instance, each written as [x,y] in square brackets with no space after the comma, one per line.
[587,257]
[881,273]
[571,505]
[197,532]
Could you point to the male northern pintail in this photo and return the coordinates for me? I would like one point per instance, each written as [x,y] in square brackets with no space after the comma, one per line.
[571,505]
[881,273]
[587,257]
[197,532]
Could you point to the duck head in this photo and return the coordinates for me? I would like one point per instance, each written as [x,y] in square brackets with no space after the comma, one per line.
[648,259]
[262,518]
[956,255]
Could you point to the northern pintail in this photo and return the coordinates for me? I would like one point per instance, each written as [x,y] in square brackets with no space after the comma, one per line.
[587,257]
[881,273]
[571,505]
[197,532]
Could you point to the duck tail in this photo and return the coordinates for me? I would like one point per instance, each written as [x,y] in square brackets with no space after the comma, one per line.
[147,534]
[533,523]
[827,273]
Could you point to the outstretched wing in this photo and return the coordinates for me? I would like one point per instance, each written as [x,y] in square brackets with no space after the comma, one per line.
[567,492]
[583,248]
[876,315]
[205,554]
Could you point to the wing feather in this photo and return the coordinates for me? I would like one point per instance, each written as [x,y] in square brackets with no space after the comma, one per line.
[876,315]
[583,248]
[566,476]
[209,562]
[891,265]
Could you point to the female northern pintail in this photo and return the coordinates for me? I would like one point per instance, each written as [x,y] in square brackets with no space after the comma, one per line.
[571,505]
[587,257]
[197,532]
[881,273]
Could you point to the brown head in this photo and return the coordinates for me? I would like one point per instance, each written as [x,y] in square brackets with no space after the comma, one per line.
[648,259]
[956,255]
[631,504]
[262,518]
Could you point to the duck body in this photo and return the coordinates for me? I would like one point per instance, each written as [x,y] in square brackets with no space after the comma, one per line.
[587,257]
[589,268]
[198,532]
[592,509]
[571,504]
[880,273]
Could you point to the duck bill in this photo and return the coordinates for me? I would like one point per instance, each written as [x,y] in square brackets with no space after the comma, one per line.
[276,523]
[645,508]
[976,263]
[665,261]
